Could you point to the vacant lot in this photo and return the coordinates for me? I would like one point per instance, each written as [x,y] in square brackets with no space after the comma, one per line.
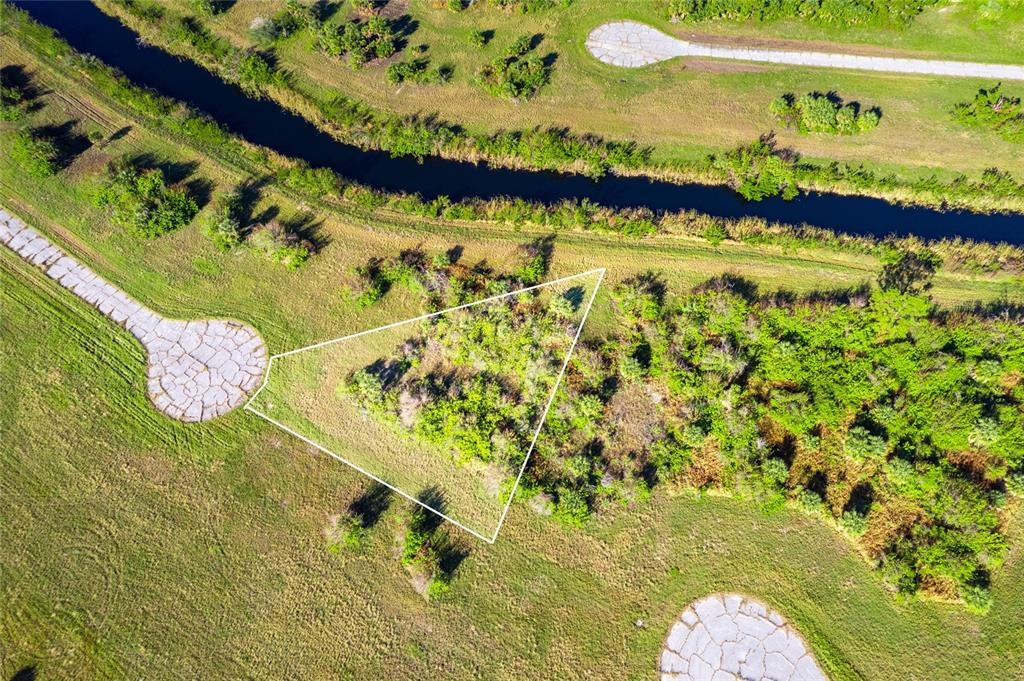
[136,546]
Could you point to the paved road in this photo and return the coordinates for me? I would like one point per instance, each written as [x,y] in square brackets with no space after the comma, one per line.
[632,44]
[197,370]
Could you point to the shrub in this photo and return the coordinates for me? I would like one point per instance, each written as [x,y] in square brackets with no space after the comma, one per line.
[10,103]
[759,170]
[863,445]
[416,71]
[518,74]
[572,507]
[212,7]
[36,156]
[313,182]
[358,41]
[853,523]
[141,201]
[255,73]
[479,38]
[716,233]
[276,243]
[995,111]
[818,113]
[223,227]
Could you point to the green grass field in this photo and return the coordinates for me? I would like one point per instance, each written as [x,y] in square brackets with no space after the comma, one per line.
[135,546]
[684,110]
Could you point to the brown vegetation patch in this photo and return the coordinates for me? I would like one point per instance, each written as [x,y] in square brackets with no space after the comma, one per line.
[976,463]
[796,45]
[1010,381]
[706,467]
[892,520]
[636,422]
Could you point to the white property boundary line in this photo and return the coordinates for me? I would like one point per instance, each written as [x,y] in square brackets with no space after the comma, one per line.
[554,391]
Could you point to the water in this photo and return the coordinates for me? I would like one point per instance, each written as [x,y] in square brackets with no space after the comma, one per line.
[265,123]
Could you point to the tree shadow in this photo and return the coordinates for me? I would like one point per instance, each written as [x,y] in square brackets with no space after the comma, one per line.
[403,28]
[69,142]
[388,371]
[1003,309]
[308,228]
[575,296]
[118,134]
[325,9]
[454,254]
[450,555]
[369,506]
[200,189]
[860,499]
[17,77]
[433,498]
[174,172]
[27,673]
[731,282]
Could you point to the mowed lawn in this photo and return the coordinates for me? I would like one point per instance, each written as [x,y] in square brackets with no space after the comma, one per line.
[683,109]
[138,547]
[134,546]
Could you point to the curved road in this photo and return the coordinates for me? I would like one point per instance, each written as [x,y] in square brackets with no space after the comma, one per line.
[632,44]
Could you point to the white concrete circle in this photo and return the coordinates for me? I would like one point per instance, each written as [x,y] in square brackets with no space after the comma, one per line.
[729,637]
[197,370]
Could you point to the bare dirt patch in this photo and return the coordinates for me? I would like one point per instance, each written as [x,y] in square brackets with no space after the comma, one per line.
[718,66]
[796,45]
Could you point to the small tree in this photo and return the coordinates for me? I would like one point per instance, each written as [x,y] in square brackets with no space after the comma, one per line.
[141,201]
[36,156]
[909,272]
[223,227]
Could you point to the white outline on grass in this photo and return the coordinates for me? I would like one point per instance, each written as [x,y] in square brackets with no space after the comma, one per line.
[554,391]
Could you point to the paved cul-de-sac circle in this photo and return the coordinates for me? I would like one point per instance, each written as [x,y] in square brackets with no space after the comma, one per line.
[728,637]
[197,370]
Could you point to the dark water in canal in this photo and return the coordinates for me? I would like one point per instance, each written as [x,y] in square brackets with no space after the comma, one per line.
[266,123]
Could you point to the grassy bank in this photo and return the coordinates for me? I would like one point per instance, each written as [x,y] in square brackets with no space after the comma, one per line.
[683,112]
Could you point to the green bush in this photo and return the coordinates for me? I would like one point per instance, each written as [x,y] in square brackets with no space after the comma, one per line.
[276,243]
[141,202]
[36,156]
[993,110]
[518,74]
[313,182]
[11,99]
[416,71]
[255,73]
[479,38]
[358,41]
[223,226]
[818,113]
[853,523]
[759,170]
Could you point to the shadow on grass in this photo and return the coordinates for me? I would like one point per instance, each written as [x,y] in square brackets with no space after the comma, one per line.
[369,506]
